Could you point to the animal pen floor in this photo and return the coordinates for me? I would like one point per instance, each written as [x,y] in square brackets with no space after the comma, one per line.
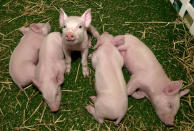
[155,22]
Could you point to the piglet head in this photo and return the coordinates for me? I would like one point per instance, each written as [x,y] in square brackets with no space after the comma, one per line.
[51,94]
[74,27]
[103,39]
[106,37]
[118,41]
[41,28]
[168,102]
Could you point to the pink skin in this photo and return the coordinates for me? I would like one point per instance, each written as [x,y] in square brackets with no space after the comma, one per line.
[49,74]
[76,38]
[111,101]
[149,79]
[25,56]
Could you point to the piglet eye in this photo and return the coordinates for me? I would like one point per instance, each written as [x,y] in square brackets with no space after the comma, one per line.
[64,26]
[80,26]
[56,94]
[170,106]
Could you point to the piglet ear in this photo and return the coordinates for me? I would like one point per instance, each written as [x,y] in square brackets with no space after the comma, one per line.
[36,82]
[87,17]
[46,28]
[24,30]
[184,92]
[173,87]
[36,28]
[62,17]
[118,40]
[60,79]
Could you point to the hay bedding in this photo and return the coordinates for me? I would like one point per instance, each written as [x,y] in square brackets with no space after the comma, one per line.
[167,37]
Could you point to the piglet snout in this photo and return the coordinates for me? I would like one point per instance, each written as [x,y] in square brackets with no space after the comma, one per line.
[169,123]
[70,36]
[54,109]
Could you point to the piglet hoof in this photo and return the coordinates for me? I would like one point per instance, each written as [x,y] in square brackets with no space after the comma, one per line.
[116,124]
[85,71]
[129,92]
[101,121]
[138,95]
[90,56]
[118,121]
[90,109]
[68,68]
[67,71]
[93,98]
[89,46]
[86,74]
[21,89]
[87,107]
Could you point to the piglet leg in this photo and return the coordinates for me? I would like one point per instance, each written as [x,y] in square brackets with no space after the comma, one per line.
[67,60]
[90,56]
[89,41]
[60,75]
[93,31]
[85,62]
[60,78]
[138,94]
[132,86]
[118,120]
[20,87]
[93,98]
[91,110]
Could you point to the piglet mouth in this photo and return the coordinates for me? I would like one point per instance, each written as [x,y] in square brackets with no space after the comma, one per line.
[169,123]
[70,36]
[69,40]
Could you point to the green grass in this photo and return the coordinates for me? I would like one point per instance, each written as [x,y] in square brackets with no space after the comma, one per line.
[155,22]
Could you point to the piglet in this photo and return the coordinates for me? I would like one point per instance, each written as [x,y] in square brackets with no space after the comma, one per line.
[25,56]
[49,74]
[76,38]
[149,79]
[111,101]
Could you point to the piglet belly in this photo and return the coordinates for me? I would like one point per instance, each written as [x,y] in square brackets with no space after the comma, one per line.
[111,107]
[23,74]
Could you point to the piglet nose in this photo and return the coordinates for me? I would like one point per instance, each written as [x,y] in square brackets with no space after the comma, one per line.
[170,123]
[54,109]
[69,36]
